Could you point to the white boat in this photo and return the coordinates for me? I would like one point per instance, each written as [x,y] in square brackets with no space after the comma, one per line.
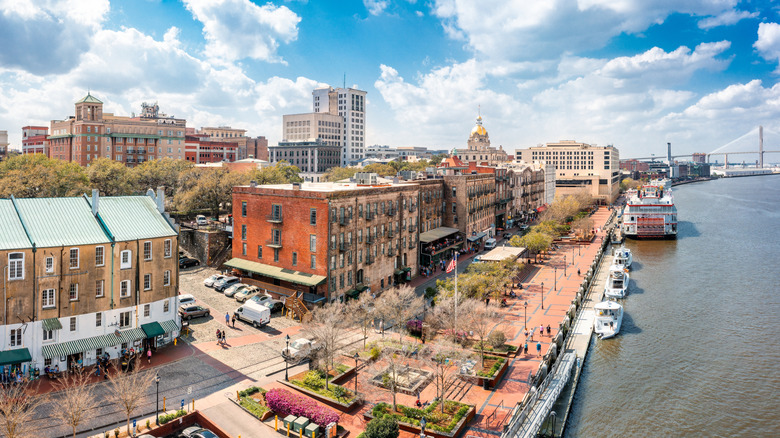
[622,257]
[650,212]
[609,316]
[617,282]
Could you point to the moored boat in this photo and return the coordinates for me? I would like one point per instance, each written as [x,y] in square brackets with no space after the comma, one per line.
[623,257]
[617,282]
[608,318]
[650,212]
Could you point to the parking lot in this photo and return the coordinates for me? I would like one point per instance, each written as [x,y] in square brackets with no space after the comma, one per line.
[205,328]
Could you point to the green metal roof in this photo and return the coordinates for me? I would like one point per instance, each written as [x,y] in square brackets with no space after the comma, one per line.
[52,324]
[60,221]
[153,329]
[19,355]
[276,272]
[12,235]
[436,234]
[132,217]
[89,99]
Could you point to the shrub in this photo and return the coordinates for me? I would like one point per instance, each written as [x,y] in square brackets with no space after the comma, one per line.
[374,353]
[314,380]
[496,338]
[339,391]
[169,417]
[285,403]
[116,433]
[254,407]
[385,427]
[249,391]
[414,325]
[148,424]
[430,292]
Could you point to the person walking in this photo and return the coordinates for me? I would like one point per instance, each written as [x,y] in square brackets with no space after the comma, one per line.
[541,330]
[149,355]
[548,329]
[219,336]
[227,319]
[539,348]
[224,334]
[234,320]
[525,348]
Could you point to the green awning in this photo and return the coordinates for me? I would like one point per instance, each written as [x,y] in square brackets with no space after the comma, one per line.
[399,271]
[52,324]
[437,233]
[169,326]
[352,293]
[79,346]
[153,329]
[130,335]
[406,269]
[360,287]
[20,355]
[289,275]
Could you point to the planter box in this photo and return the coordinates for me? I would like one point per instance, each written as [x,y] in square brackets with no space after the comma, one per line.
[266,415]
[343,377]
[456,431]
[499,353]
[492,381]
[328,401]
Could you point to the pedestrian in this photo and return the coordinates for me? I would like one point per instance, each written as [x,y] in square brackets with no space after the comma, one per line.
[539,348]
[227,319]
[219,336]
[234,320]
[548,329]
[224,341]
[578,271]
[149,355]
[525,348]
[541,330]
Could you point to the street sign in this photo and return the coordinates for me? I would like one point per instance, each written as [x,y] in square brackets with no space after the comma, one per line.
[189,390]
[182,404]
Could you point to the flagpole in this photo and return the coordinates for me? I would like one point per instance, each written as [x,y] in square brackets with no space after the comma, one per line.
[456,294]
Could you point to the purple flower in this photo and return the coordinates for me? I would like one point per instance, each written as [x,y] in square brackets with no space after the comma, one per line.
[285,403]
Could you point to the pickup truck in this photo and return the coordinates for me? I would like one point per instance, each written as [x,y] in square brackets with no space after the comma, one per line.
[299,350]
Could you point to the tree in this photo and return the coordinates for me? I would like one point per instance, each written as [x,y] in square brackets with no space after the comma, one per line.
[437,159]
[536,242]
[37,176]
[328,327]
[339,173]
[445,361]
[18,403]
[380,169]
[481,320]
[361,313]
[448,316]
[384,427]
[128,388]
[76,398]
[210,189]
[396,360]
[111,178]
[280,173]
[399,304]
[162,173]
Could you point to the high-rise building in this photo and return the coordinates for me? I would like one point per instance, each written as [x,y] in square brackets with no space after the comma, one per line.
[34,140]
[3,145]
[350,104]
[229,135]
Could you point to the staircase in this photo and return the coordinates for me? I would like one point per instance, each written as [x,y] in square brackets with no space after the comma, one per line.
[296,309]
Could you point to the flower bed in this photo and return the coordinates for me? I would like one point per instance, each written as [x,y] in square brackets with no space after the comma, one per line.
[494,366]
[492,371]
[505,350]
[314,381]
[252,400]
[449,423]
[285,403]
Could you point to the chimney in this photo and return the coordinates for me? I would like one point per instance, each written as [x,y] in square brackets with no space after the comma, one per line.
[95,200]
[160,199]
[296,186]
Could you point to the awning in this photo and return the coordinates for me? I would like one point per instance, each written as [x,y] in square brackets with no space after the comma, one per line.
[360,287]
[476,237]
[399,271]
[352,293]
[542,208]
[406,269]
[52,324]
[169,326]
[79,346]
[20,355]
[130,336]
[437,233]
[153,329]
[296,277]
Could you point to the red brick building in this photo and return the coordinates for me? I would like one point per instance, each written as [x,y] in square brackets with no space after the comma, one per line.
[34,140]
[199,149]
[634,165]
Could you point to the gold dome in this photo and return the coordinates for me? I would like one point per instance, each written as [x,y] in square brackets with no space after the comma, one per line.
[479,130]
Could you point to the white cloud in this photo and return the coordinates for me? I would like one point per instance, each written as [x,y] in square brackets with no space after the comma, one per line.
[376,7]
[727,18]
[768,42]
[239,29]
[47,36]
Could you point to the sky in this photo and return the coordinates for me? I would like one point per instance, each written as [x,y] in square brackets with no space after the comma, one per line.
[635,74]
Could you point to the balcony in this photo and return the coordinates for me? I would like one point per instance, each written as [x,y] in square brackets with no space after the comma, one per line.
[370,216]
[274,218]
[391,212]
[412,228]
[344,246]
[343,220]
[369,260]
[391,252]
[412,245]
[130,150]
[412,208]
[141,150]
[370,240]
[273,243]
[390,234]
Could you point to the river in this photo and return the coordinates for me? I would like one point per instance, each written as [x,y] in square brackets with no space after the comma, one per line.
[699,352]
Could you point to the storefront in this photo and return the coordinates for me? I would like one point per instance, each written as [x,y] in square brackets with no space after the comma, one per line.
[16,364]
[438,245]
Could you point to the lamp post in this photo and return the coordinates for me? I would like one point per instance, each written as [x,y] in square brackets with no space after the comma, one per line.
[542,295]
[356,371]
[564,265]
[422,427]
[525,316]
[553,415]
[157,399]
[555,278]
[286,362]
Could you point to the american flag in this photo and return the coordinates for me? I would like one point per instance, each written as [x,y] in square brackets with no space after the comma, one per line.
[451,265]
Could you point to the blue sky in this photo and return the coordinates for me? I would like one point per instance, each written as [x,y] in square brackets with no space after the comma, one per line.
[633,73]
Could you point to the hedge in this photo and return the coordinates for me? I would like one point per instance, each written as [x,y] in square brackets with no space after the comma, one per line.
[165,418]
[285,403]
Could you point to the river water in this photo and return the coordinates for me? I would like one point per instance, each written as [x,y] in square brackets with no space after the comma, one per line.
[699,351]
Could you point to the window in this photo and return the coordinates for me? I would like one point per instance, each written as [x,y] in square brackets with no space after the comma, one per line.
[124,259]
[73,323]
[167,278]
[99,288]
[147,281]
[313,261]
[243,232]
[74,258]
[243,208]
[276,211]
[49,264]
[295,259]
[147,250]
[166,306]
[16,337]
[276,254]
[100,257]
[313,216]
[47,298]
[167,248]
[277,236]
[98,319]
[98,352]
[243,248]
[259,251]
[124,289]
[73,292]
[147,310]
[16,266]
[48,335]
[313,242]
[124,320]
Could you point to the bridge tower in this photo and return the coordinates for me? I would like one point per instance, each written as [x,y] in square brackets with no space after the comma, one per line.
[726,166]
[760,147]
[669,153]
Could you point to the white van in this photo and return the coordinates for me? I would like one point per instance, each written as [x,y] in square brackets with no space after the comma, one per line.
[254,314]
[201,220]
[490,243]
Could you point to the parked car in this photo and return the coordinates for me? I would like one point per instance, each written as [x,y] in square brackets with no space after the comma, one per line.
[247,293]
[197,432]
[186,262]
[253,313]
[299,349]
[268,301]
[235,288]
[225,283]
[490,243]
[201,220]
[209,282]
[507,235]
[186,300]
[189,312]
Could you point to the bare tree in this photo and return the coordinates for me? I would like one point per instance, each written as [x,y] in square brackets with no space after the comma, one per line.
[361,313]
[481,320]
[400,305]
[128,388]
[76,398]
[17,410]
[397,360]
[445,360]
[328,327]
[451,316]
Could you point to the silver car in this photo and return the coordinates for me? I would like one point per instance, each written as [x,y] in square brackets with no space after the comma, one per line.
[234,289]
[246,293]
[209,282]
[225,283]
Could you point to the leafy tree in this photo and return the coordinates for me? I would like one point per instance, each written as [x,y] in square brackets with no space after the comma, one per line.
[437,159]
[380,169]
[629,183]
[207,189]
[111,178]
[166,172]
[280,173]
[37,176]
[338,173]
[385,427]
[534,241]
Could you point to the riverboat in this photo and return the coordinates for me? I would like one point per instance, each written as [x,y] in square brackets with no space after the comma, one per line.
[617,282]
[622,257]
[609,316]
[650,212]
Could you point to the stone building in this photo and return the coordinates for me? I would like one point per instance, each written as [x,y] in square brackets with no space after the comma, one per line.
[86,276]
[34,140]
[479,150]
[3,145]
[226,134]
[313,158]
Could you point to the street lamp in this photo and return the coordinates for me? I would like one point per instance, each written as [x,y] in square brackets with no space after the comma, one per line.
[555,278]
[542,295]
[553,414]
[356,371]
[286,362]
[422,427]
[525,316]
[157,398]
[564,265]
